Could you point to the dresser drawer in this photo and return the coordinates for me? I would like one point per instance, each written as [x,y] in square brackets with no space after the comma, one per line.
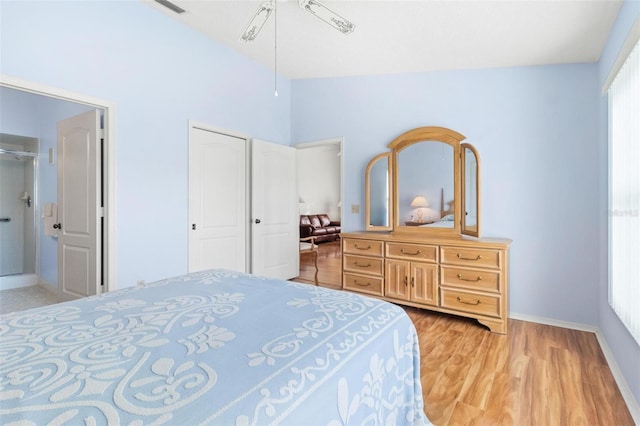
[362,247]
[474,279]
[483,258]
[406,251]
[362,264]
[363,284]
[475,303]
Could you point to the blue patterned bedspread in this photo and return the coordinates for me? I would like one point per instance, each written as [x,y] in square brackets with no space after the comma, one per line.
[215,347]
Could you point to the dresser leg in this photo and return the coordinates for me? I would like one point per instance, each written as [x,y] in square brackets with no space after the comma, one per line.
[496,326]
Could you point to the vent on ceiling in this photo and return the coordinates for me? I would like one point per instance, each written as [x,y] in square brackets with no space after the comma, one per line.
[171,6]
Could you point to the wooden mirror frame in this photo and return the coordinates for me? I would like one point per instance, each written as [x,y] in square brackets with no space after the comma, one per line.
[415,136]
[412,137]
[473,230]
[367,201]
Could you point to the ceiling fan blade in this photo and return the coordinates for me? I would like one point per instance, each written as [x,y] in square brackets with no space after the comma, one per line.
[257,21]
[321,11]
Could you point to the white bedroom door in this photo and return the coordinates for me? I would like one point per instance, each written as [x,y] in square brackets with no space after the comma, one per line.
[217,201]
[274,211]
[79,211]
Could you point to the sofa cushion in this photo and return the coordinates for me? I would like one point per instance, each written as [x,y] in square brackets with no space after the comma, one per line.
[320,231]
[304,220]
[324,220]
[315,221]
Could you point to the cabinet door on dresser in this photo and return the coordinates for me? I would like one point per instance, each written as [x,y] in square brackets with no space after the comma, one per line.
[397,279]
[411,280]
[424,283]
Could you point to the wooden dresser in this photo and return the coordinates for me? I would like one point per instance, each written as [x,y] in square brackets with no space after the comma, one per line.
[462,276]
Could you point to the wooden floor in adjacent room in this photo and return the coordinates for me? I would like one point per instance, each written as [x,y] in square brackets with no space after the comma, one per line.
[536,375]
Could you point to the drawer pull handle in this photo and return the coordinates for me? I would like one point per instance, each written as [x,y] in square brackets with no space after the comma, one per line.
[461,278]
[468,302]
[362,248]
[413,282]
[406,281]
[368,265]
[461,257]
[410,253]
[367,284]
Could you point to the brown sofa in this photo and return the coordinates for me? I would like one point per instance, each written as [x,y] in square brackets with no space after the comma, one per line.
[319,226]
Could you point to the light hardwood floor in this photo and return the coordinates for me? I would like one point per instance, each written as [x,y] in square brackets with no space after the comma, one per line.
[535,375]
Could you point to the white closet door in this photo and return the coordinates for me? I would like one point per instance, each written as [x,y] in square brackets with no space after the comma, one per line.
[217,201]
[274,210]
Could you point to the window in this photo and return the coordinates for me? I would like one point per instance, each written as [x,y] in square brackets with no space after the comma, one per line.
[624,191]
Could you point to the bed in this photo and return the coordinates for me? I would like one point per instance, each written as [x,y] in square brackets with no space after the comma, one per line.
[445,221]
[215,347]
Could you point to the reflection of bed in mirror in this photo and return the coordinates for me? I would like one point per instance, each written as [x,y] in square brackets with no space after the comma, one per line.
[446,214]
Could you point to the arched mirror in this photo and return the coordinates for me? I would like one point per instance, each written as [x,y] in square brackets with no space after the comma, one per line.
[427,182]
[434,187]
[378,191]
[426,185]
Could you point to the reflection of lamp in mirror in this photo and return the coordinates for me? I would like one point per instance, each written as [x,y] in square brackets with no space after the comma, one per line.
[417,203]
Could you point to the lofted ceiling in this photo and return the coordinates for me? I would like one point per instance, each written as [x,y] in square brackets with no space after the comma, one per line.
[397,36]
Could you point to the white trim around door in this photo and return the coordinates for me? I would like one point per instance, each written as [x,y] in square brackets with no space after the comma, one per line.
[109,258]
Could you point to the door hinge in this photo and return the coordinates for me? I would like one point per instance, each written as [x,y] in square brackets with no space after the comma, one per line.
[101,132]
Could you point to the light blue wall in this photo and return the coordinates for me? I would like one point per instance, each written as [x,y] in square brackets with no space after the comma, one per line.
[27,114]
[159,74]
[536,131]
[624,348]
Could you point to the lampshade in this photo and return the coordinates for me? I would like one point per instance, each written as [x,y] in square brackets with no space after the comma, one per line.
[419,201]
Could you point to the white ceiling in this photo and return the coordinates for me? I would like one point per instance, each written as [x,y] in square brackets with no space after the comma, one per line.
[396,36]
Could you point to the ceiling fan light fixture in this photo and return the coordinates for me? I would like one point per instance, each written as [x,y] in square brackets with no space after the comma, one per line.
[177,9]
[322,12]
[257,21]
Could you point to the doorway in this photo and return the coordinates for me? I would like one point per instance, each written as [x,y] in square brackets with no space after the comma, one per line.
[18,226]
[53,104]
[320,191]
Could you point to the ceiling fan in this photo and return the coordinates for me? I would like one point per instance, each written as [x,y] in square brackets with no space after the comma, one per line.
[314,7]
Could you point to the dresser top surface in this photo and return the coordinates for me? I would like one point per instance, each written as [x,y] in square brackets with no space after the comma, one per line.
[421,239]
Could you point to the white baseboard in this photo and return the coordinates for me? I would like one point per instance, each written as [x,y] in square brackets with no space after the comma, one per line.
[632,404]
[9,282]
[627,395]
